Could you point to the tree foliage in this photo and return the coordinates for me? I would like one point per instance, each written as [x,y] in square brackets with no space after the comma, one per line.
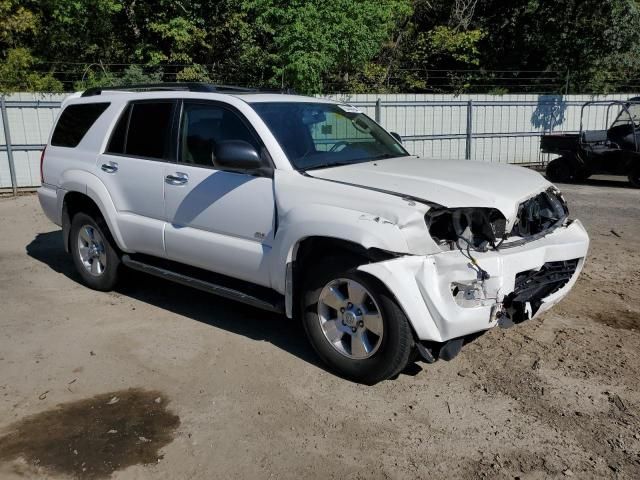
[320,46]
[312,42]
[597,42]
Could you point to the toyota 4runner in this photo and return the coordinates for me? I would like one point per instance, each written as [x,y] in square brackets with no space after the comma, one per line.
[308,207]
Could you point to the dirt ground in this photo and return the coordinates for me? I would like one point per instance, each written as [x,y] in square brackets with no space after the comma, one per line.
[158,381]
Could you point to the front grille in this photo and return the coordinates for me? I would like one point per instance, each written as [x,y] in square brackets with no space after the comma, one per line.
[532,286]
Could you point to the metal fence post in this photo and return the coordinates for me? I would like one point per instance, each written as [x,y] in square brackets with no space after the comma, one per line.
[378,110]
[467,153]
[7,141]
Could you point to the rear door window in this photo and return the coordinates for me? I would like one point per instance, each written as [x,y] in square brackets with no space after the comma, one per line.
[144,130]
[74,123]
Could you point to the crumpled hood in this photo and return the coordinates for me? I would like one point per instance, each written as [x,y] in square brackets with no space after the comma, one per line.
[451,183]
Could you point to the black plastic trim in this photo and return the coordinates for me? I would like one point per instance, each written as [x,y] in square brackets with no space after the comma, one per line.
[244,292]
[169,87]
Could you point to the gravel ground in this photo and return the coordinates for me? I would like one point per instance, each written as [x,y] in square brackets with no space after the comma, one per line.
[158,381]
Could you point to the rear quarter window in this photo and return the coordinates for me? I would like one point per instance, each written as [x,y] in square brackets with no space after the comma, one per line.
[75,121]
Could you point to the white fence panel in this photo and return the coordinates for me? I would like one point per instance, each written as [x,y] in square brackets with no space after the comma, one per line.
[504,128]
[30,123]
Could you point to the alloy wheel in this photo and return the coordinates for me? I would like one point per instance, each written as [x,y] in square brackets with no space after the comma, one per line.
[92,250]
[350,318]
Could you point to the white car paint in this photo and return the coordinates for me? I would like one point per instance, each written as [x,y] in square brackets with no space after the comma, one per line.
[452,183]
[137,189]
[220,221]
[250,227]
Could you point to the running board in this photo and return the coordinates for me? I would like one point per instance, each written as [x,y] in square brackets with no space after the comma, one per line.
[272,305]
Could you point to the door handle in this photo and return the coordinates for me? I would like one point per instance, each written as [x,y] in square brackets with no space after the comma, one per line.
[110,167]
[177,179]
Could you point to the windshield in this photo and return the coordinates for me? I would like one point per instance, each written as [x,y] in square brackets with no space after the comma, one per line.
[634,111]
[320,135]
[625,118]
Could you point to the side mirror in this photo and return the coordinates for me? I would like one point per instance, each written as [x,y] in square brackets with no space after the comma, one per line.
[236,155]
[396,136]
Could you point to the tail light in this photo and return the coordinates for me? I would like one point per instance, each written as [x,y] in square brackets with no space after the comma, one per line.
[42,165]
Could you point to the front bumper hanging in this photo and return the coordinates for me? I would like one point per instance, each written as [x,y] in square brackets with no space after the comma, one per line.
[444,298]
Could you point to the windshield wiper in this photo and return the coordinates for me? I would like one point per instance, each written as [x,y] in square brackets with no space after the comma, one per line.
[330,164]
[353,162]
[387,155]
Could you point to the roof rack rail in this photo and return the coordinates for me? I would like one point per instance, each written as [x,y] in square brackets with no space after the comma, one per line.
[170,86]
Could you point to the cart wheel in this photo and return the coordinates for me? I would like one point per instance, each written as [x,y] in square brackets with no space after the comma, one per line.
[634,177]
[582,175]
[560,170]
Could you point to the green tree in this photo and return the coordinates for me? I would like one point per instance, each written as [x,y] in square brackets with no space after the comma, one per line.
[80,31]
[596,41]
[17,74]
[311,43]
[439,44]
[17,22]
[315,46]
[102,77]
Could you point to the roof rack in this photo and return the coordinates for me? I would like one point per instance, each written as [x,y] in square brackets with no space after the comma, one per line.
[170,86]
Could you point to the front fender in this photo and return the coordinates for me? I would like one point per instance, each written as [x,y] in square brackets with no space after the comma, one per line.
[367,230]
[92,186]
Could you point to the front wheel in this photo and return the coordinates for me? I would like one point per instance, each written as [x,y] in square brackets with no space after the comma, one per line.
[354,324]
[93,252]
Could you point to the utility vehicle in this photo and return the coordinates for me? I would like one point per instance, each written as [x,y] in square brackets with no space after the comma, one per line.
[615,150]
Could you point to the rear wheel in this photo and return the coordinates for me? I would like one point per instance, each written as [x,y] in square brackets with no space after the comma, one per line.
[354,324]
[93,252]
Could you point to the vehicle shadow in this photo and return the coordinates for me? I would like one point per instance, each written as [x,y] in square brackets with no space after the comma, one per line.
[199,306]
[604,181]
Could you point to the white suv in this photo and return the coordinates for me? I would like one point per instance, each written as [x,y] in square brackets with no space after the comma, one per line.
[307,207]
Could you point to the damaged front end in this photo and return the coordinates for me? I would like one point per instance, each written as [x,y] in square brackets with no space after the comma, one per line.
[472,230]
[538,216]
[490,270]
[481,229]
[532,286]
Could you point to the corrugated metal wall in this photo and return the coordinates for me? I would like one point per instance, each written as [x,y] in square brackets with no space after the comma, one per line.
[504,128]
[28,126]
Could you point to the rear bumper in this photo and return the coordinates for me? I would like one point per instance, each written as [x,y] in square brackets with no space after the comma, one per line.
[48,197]
[443,298]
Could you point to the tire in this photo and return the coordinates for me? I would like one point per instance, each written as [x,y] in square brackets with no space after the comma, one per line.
[634,177]
[375,351]
[560,170]
[583,176]
[94,253]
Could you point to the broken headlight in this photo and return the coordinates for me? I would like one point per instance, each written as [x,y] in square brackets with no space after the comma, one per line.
[477,228]
[540,213]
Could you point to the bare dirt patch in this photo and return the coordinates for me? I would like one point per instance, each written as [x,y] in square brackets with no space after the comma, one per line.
[625,319]
[92,438]
[556,397]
